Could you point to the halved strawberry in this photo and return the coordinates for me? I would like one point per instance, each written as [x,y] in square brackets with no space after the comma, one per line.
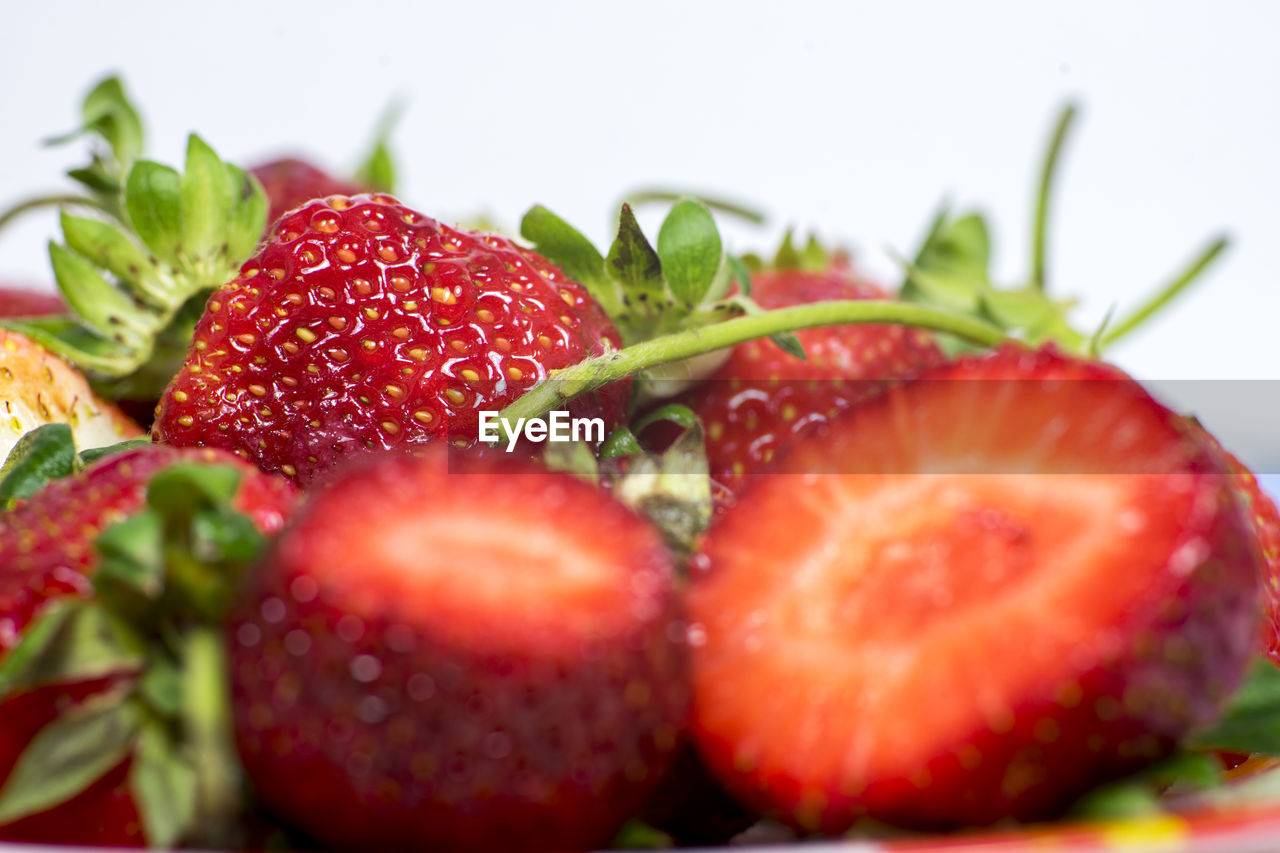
[440,652]
[970,600]
[37,388]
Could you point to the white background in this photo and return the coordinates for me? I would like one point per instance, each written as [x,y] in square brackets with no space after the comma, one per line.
[852,119]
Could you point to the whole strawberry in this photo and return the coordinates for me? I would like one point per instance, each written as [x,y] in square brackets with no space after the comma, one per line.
[361,324]
[49,556]
[763,396]
[290,182]
[970,600]
[440,652]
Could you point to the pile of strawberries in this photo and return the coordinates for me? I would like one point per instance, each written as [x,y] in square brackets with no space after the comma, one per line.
[845,559]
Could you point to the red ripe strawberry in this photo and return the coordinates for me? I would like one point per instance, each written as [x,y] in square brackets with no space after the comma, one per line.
[290,182]
[762,396]
[1264,522]
[25,302]
[978,596]
[47,553]
[440,652]
[362,325]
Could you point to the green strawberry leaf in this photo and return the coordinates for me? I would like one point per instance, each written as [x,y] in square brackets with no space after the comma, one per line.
[93,454]
[108,112]
[246,219]
[67,338]
[690,250]
[153,198]
[563,245]
[96,303]
[71,640]
[45,453]
[677,413]
[621,442]
[637,271]
[131,563]
[109,248]
[70,754]
[378,171]
[205,196]
[164,787]
[1251,721]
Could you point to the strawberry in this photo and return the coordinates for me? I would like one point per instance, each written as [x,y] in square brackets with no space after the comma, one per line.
[48,557]
[362,324]
[1264,524]
[763,396]
[970,600]
[289,182]
[37,387]
[27,302]
[440,652]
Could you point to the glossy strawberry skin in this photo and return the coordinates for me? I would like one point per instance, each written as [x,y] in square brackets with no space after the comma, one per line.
[935,650]
[46,553]
[364,325]
[762,397]
[502,667]
[290,182]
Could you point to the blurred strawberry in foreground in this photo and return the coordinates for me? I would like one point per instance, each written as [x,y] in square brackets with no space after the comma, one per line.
[79,723]
[361,324]
[764,396]
[999,585]
[442,652]
[37,387]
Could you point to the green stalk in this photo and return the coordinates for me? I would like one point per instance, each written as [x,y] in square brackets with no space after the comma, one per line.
[206,716]
[1047,172]
[44,201]
[1167,293]
[564,385]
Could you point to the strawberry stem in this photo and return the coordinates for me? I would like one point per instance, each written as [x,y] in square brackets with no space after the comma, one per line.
[37,202]
[592,373]
[1167,293]
[207,721]
[1047,173]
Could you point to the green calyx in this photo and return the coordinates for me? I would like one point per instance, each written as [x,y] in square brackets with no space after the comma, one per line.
[109,119]
[646,291]
[951,270]
[165,578]
[672,488]
[135,287]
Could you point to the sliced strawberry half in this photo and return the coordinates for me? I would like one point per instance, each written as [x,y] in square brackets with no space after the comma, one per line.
[971,600]
[451,654]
